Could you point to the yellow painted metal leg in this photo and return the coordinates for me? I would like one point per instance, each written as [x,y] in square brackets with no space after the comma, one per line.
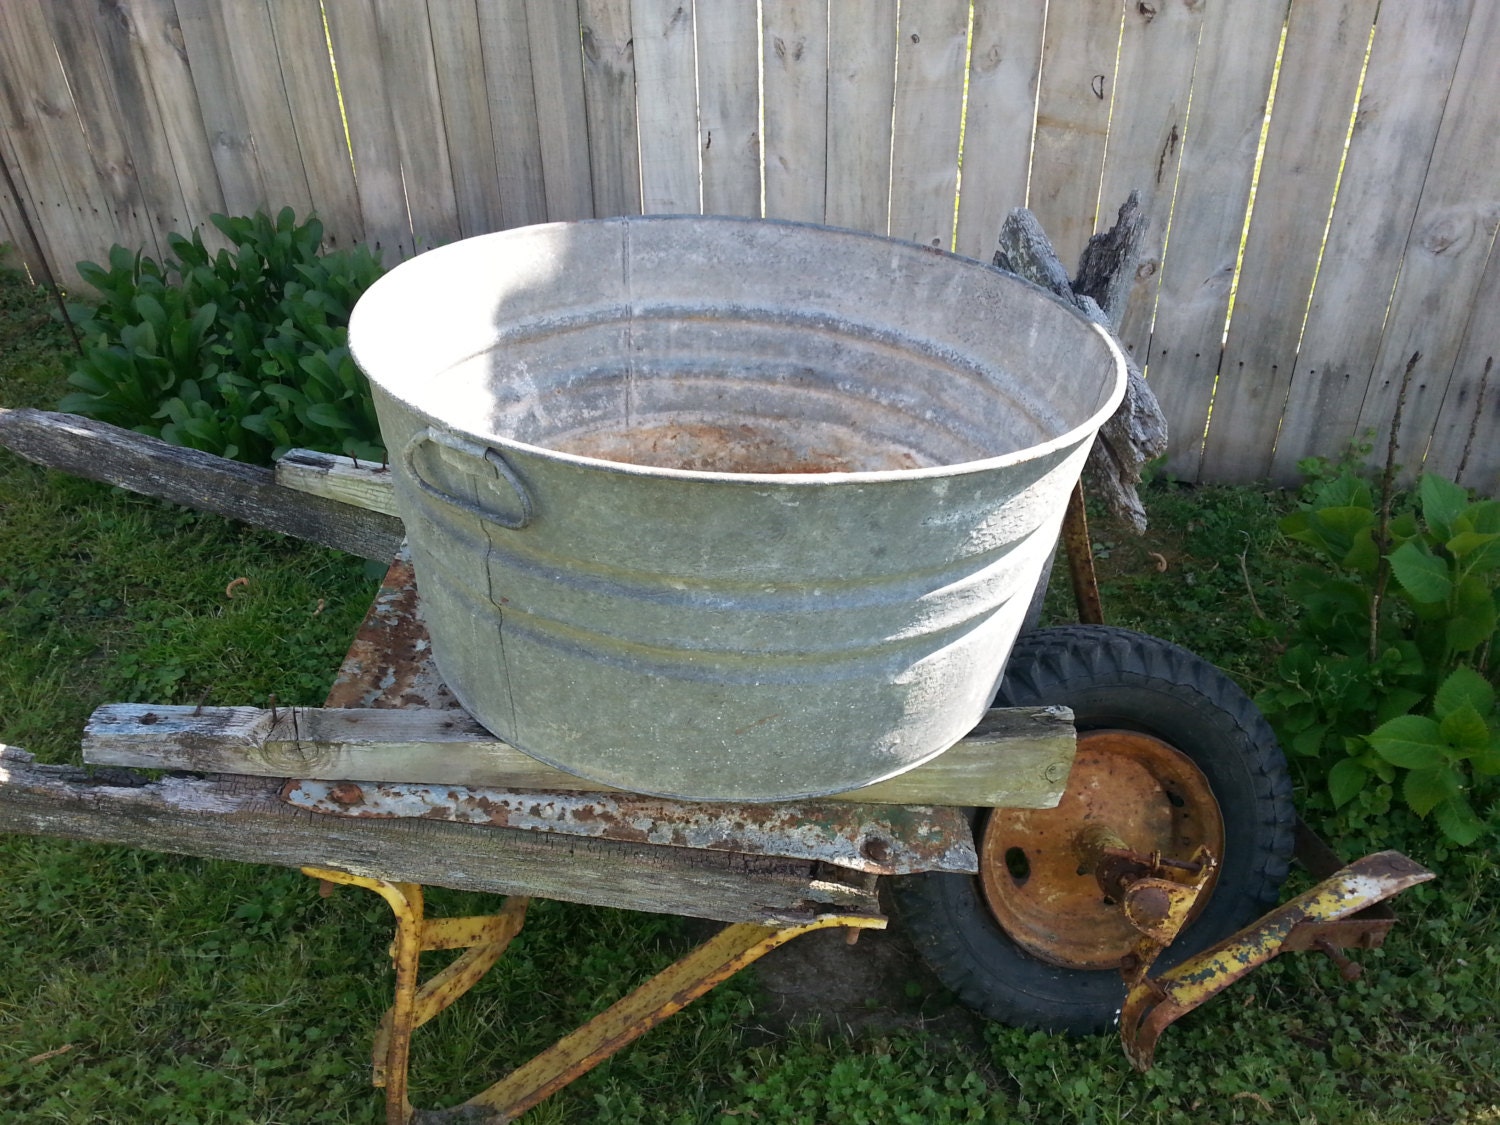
[484,938]
[665,994]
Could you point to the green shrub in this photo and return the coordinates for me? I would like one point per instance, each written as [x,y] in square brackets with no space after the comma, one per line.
[1388,681]
[243,353]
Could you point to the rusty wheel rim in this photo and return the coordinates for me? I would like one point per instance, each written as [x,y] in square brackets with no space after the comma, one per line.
[1149,793]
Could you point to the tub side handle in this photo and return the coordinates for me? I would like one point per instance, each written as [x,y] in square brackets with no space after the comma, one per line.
[478,452]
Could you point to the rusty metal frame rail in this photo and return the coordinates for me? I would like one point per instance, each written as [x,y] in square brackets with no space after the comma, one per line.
[484,938]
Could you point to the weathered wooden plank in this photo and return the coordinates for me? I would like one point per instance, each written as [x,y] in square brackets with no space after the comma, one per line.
[1005,63]
[874,839]
[360,483]
[241,819]
[226,119]
[155,43]
[1445,256]
[1236,58]
[932,44]
[1072,120]
[518,147]
[416,112]
[1320,68]
[562,124]
[52,160]
[609,103]
[98,451]
[25,234]
[361,72]
[1466,437]
[666,106]
[861,93]
[106,131]
[317,118]
[1406,86]
[795,53]
[1017,758]
[469,133]
[729,108]
[1158,48]
[262,93]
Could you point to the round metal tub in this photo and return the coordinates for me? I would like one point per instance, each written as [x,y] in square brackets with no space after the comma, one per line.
[727,509]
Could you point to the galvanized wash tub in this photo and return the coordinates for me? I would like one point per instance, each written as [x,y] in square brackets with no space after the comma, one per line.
[727,509]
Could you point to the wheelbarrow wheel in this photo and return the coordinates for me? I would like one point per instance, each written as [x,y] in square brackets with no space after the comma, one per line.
[1172,754]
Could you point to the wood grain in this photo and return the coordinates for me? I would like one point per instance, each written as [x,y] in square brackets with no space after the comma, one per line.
[729,108]
[609,98]
[241,819]
[861,93]
[931,44]
[666,106]
[795,51]
[1016,758]
[99,451]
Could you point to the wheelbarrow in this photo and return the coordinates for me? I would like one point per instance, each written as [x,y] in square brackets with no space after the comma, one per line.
[1170,824]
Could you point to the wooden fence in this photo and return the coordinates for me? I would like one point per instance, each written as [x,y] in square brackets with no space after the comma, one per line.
[1366,146]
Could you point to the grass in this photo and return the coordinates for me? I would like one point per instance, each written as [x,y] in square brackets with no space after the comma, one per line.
[137,987]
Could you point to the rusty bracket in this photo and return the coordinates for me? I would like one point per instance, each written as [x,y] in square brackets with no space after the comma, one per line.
[1080,553]
[484,938]
[1317,919]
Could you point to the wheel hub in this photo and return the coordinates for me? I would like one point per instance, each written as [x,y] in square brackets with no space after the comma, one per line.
[1037,865]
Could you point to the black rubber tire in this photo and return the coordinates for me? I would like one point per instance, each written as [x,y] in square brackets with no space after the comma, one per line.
[1119,679]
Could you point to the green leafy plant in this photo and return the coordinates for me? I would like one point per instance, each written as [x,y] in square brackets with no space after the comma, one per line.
[243,352]
[1386,681]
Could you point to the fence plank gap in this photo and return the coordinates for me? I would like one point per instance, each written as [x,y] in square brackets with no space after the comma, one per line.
[1232,78]
[1324,55]
[1005,65]
[1407,81]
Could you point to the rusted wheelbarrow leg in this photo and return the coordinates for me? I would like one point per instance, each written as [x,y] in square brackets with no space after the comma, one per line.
[1305,922]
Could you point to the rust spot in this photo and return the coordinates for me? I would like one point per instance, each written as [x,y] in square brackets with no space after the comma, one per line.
[148,718]
[346,793]
[730,448]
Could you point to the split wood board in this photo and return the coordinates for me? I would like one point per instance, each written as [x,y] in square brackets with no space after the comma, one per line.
[1016,757]
[242,819]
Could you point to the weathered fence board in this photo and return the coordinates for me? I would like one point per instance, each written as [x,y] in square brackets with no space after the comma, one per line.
[51,165]
[1236,56]
[666,105]
[1446,254]
[466,116]
[609,102]
[149,34]
[1471,410]
[318,120]
[1158,50]
[931,46]
[1407,81]
[506,45]
[1321,65]
[124,119]
[794,54]
[562,124]
[106,132]
[1005,63]
[372,132]
[861,90]
[729,108]
[1072,120]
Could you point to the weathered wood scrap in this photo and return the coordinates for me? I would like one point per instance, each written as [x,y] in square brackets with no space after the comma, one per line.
[241,819]
[1015,758]
[99,451]
[1137,431]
